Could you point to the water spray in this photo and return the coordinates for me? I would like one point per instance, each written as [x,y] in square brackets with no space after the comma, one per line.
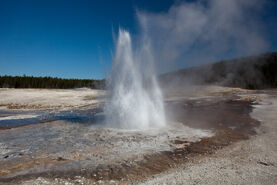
[135,98]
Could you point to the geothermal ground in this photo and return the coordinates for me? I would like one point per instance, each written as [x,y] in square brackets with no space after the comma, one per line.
[214,135]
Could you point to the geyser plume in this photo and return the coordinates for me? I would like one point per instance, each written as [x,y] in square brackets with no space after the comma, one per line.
[136,100]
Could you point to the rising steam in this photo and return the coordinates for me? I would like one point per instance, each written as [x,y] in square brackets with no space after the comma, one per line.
[195,32]
[189,34]
[136,101]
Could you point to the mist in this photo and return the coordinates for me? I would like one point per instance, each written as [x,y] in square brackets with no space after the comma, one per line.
[188,34]
[199,32]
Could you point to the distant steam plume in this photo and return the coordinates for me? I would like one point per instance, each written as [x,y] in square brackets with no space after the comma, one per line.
[192,33]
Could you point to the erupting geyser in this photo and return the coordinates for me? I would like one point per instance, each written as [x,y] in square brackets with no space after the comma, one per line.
[136,100]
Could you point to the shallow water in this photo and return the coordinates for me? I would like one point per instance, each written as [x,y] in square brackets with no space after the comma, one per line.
[15,118]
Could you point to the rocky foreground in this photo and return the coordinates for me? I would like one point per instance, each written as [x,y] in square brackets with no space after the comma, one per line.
[215,135]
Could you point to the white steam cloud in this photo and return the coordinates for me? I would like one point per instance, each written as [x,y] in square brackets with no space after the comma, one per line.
[192,33]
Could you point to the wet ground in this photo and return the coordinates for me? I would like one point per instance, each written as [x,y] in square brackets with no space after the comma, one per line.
[70,145]
[17,118]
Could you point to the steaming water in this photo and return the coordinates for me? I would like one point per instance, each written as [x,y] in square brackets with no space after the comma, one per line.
[136,100]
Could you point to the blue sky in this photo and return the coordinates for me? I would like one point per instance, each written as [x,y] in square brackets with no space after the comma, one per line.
[74,38]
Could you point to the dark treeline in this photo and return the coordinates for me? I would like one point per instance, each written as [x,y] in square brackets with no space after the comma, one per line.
[253,72]
[48,82]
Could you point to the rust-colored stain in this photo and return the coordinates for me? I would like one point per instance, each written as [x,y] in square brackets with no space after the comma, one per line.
[27,165]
